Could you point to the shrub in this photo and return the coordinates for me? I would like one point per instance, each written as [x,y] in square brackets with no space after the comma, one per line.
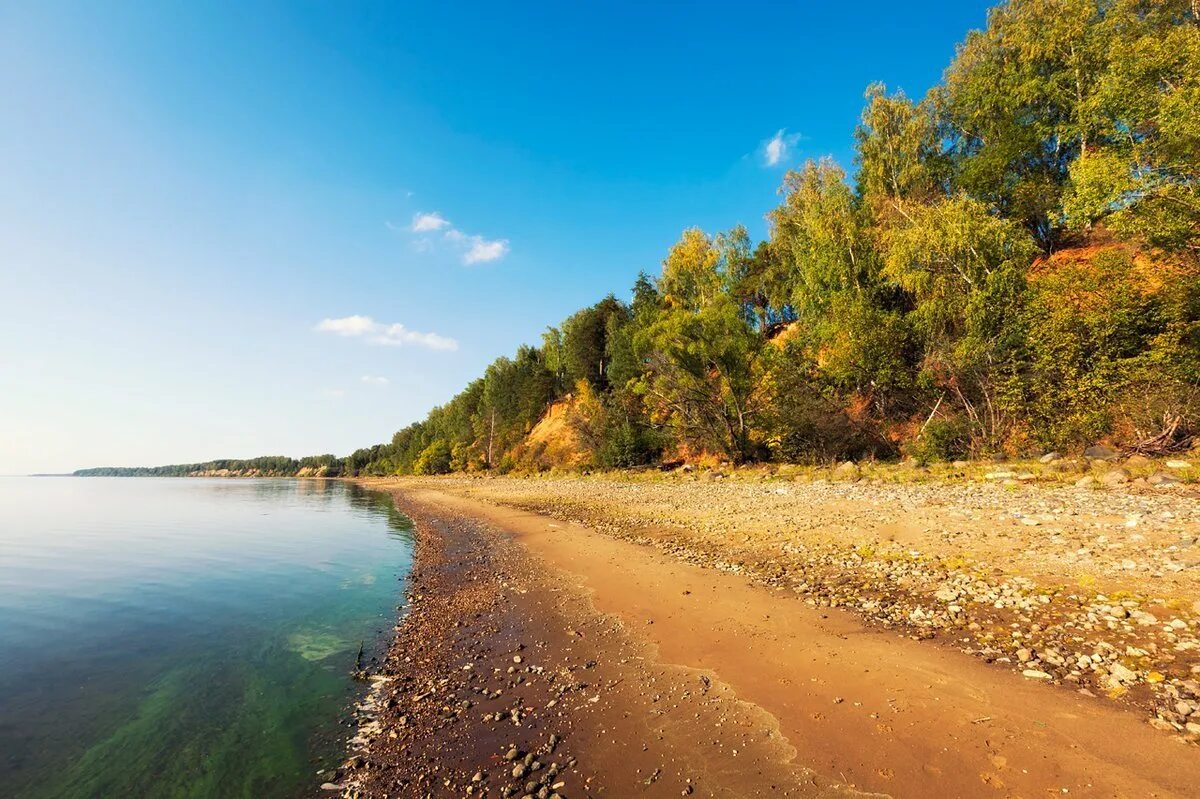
[434,459]
[943,439]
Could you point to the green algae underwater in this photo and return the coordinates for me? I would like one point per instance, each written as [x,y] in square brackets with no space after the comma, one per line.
[187,638]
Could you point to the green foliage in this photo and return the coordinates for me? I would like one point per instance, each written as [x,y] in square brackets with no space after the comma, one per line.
[1106,346]
[818,234]
[585,341]
[701,374]
[434,459]
[942,439]
[804,418]
[614,428]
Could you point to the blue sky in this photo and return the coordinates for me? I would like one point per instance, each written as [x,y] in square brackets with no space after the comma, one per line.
[207,210]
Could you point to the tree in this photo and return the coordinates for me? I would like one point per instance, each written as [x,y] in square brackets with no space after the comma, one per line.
[1142,176]
[965,269]
[585,351]
[701,377]
[434,459]
[899,156]
[818,235]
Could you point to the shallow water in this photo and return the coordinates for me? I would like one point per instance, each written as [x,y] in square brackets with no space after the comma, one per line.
[186,637]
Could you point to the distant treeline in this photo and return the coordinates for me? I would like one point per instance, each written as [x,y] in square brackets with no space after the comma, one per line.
[266,466]
[1014,266]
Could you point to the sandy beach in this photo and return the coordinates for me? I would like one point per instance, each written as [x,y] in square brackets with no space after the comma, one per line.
[552,646]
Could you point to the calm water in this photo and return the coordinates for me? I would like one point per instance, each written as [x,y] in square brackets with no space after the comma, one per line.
[186,637]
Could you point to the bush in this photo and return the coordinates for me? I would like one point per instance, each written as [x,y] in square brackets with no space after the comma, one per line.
[434,459]
[626,445]
[942,440]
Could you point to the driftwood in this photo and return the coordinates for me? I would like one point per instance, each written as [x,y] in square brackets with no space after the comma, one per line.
[1171,438]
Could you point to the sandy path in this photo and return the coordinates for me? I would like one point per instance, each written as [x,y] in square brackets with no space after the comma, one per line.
[865,707]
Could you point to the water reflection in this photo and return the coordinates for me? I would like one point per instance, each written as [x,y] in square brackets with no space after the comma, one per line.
[185,637]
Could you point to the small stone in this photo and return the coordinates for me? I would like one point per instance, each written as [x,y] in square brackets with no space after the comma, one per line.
[1178,465]
[1122,673]
[1034,674]
[1024,655]
[1099,452]
[1114,477]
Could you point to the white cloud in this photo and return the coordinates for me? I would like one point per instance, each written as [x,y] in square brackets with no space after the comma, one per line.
[482,250]
[375,380]
[428,222]
[334,393]
[477,249]
[473,249]
[777,149]
[390,335]
[347,325]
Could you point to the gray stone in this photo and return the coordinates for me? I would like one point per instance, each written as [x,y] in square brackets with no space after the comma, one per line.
[1099,452]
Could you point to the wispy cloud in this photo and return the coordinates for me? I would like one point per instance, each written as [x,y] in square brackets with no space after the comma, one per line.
[390,335]
[778,148]
[473,249]
[428,222]
[374,380]
[477,249]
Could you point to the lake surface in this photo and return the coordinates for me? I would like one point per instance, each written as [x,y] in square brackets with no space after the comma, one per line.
[179,637]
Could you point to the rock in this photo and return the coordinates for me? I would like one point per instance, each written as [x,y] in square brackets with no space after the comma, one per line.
[1034,674]
[847,471]
[1163,480]
[1049,457]
[1024,655]
[1099,452]
[1114,477]
[1178,464]
[1138,460]
[946,594]
[1000,475]
[1085,482]
[1122,673]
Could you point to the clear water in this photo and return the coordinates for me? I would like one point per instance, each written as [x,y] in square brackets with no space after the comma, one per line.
[186,637]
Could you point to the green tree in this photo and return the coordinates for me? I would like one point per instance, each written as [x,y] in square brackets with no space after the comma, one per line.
[434,459]
[965,270]
[701,377]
